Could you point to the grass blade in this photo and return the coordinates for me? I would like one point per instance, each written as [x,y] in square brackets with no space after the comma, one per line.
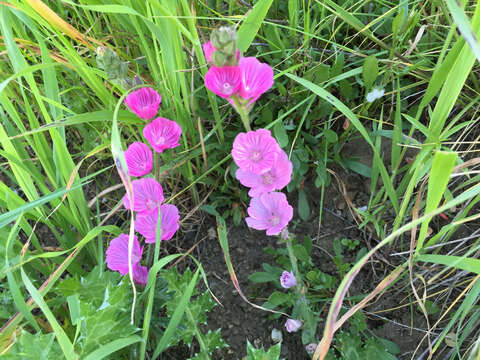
[176,317]
[251,24]
[63,340]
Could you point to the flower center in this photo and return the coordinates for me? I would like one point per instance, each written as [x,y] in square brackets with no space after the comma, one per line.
[256,156]
[268,178]
[227,88]
[274,220]
[151,204]
[160,140]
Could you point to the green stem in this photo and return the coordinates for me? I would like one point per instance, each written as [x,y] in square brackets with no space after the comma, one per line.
[198,334]
[243,113]
[300,289]
[156,166]
[151,295]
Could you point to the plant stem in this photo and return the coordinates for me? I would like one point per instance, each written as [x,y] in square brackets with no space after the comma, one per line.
[243,113]
[300,289]
[151,295]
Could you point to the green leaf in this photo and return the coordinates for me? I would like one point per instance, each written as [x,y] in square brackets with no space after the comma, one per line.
[280,134]
[443,163]
[260,354]
[331,136]
[303,207]
[34,347]
[278,298]
[63,340]
[301,253]
[176,316]
[464,26]
[359,168]
[370,71]
[458,262]
[251,24]
[398,21]
[263,277]
[113,346]
[376,350]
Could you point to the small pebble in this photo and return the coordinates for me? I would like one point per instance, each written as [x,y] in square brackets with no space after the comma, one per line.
[276,335]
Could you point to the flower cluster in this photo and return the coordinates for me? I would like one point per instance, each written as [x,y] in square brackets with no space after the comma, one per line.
[148,196]
[263,167]
[240,80]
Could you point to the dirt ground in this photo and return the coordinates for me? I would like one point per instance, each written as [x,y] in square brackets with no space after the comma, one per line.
[239,321]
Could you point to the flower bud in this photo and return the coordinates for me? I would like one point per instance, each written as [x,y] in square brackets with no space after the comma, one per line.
[292,325]
[288,280]
[310,348]
[224,40]
[113,66]
[223,36]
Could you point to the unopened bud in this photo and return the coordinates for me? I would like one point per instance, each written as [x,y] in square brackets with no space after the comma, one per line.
[224,40]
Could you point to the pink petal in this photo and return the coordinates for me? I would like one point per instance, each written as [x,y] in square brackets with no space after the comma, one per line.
[147,195]
[208,50]
[255,151]
[144,102]
[224,81]
[139,159]
[170,219]
[257,78]
[274,179]
[140,274]
[269,211]
[146,223]
[117,253]
[162,134]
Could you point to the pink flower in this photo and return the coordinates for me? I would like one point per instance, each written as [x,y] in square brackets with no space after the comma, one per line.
[147,195]
[310,348]
[139,159]
[208,50]
[287,280]
[255,151]
[146,223]
[162,134]
[140,274]
[117,258]
[257,78]
[269,211]
[274,179]
[224,81]
[144,102]
[293,325]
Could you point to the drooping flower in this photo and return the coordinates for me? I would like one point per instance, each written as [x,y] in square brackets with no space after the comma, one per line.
[147,195]
[208,50]
[292,325]
[274,179]
[375,94]
[288,280]
[117,258]
[162,134]
[257,78]
[255,151]
[269,211]
[139,159]
[224,81]
[144,102]
[146,223]
[310,348]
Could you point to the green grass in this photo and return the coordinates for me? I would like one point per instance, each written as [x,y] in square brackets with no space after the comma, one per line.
[61,115]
